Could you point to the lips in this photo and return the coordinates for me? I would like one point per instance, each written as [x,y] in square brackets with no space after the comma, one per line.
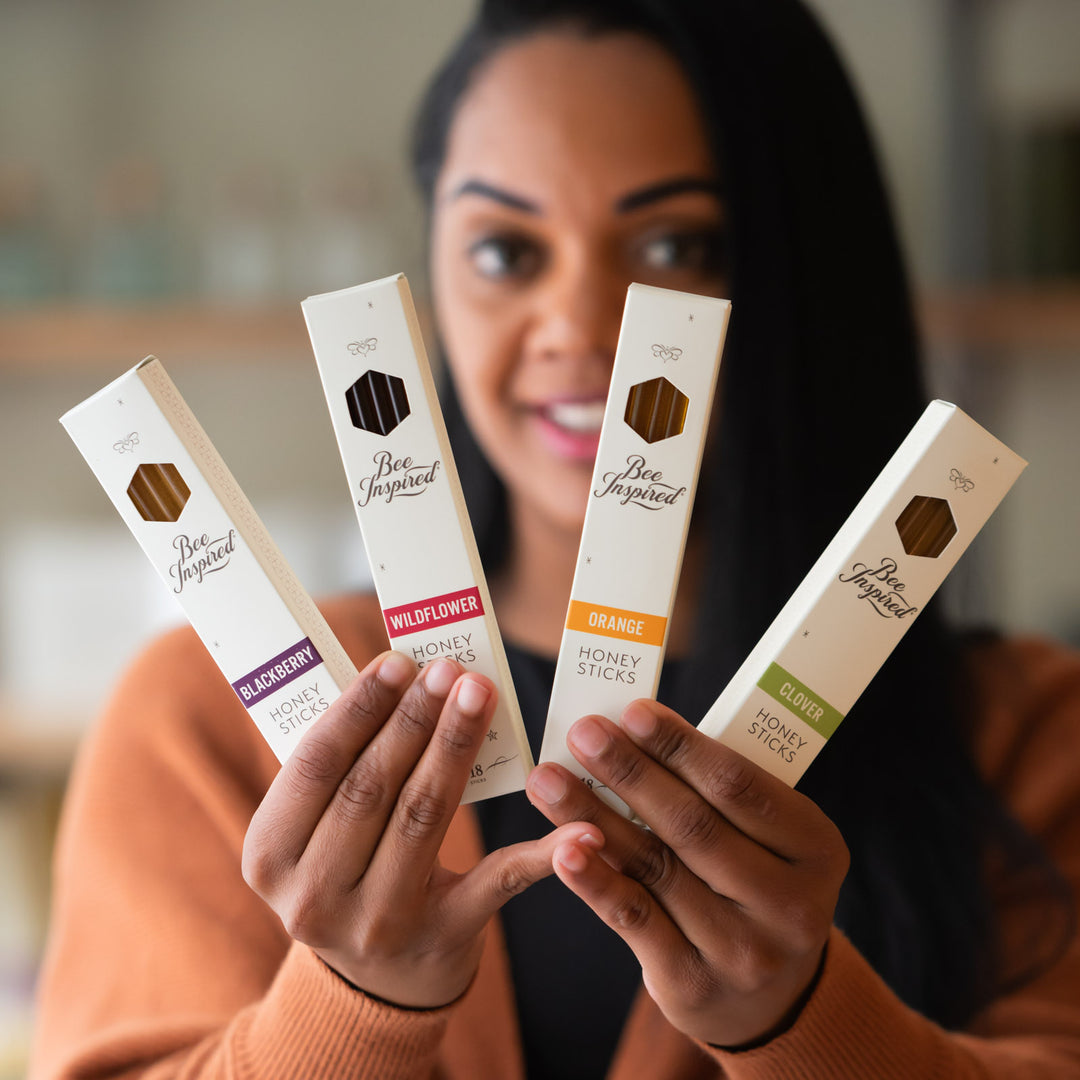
[570,428]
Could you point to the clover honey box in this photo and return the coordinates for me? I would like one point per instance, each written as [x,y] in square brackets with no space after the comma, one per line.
[864,592]
[407,497]
[209,547]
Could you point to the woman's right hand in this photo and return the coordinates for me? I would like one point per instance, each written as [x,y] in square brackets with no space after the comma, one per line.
[345,845]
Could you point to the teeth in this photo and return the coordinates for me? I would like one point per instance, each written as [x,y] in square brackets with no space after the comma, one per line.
[584,417]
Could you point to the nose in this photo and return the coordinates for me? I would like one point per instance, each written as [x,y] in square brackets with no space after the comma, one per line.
[577,314]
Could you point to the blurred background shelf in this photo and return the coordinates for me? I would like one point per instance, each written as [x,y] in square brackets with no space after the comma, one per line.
[1017,317]
[47,337]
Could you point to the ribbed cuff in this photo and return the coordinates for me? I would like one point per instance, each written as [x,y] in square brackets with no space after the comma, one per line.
[313,1024]
[852,1026]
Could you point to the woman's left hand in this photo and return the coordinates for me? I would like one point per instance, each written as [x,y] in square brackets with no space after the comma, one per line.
[728,901]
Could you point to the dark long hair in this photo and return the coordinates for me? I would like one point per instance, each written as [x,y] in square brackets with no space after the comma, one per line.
[820,381]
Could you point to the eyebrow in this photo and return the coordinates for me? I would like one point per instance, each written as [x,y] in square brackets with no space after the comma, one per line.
[665,190]
[499,195]
[634,200]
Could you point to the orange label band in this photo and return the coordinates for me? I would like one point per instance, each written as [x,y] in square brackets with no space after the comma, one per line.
[616,623]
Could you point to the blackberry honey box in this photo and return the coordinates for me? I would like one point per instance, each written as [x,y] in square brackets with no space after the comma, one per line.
[207,544]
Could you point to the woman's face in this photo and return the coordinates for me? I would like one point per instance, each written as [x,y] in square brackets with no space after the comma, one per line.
[574,167]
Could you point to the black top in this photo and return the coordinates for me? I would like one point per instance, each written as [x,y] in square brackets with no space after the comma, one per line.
[574,979]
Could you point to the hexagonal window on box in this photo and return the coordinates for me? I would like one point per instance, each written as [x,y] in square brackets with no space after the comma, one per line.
[377,402]
[926,526]
[158,492]
[656,410]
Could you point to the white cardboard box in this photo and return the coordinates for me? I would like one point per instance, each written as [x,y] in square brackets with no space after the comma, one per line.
[207,544]
[655,424]
[866,589]
[408,501]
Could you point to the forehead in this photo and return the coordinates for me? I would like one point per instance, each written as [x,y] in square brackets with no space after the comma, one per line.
[563,117]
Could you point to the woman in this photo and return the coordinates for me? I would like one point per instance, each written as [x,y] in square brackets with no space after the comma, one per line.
[565,150]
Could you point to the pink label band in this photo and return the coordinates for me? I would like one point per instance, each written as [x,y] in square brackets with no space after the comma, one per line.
[435,611]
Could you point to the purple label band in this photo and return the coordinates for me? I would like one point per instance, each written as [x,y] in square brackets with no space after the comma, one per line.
[278,672]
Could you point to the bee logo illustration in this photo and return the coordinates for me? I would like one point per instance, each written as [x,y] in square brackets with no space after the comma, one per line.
[960,481]
[666,352]
[362,348]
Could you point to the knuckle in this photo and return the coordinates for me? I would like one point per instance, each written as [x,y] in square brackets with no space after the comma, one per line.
[259,868]
[312,765]
[631,913]
[361,792]
[511,879]
[672,743]
[419,812]
[456,741]
[695,824]
[413,717]
[302,917]
[653,865]
[625,770]
[361,707]
[734,784]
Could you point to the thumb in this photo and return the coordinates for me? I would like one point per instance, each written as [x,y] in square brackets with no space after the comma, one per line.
[504,873]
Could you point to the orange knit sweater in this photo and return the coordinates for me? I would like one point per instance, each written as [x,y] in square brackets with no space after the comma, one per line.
[162,963]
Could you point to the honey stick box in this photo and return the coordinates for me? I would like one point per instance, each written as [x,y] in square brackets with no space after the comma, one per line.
[864,592]
[638,512]
[408,501]
[209,547]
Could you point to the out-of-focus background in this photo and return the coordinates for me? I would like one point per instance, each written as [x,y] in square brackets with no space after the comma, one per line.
[174,178]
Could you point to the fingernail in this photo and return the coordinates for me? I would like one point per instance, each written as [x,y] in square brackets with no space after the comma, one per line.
[396,670]
[639,720]
[591,840]
[571,857]
[440,677]
[547,785]
[472,696]
[589,737]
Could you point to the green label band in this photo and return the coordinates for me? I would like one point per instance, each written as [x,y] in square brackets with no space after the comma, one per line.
[799,699]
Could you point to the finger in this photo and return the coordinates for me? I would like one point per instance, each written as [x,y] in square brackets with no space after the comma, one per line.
[504,873]
[353,823]
[726,859]
[306,784]
[629,909]
[754,801]
[632,851]
[429,798]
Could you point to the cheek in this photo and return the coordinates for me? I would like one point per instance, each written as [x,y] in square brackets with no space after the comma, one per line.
[479,338]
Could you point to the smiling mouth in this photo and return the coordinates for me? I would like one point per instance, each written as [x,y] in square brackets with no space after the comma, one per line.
[571,429]
[576,417]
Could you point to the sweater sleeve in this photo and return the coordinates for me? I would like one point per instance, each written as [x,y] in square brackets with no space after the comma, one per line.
[161,961]
[854,1026]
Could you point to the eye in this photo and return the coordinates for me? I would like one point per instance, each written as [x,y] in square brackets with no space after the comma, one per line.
[504,256]
[700,251]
